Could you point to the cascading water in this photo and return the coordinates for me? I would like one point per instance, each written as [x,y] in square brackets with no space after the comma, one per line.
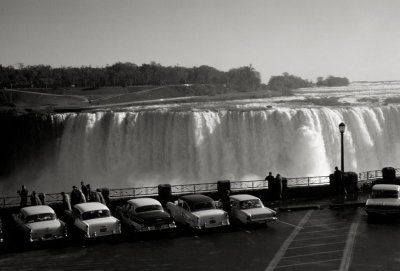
[148,147]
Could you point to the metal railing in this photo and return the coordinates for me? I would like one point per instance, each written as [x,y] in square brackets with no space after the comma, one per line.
[363,177]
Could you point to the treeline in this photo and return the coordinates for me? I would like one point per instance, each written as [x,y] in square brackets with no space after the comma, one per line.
[332,81]
[125,74]
[287,82]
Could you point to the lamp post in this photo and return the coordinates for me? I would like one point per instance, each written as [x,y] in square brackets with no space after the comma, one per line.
[342,128]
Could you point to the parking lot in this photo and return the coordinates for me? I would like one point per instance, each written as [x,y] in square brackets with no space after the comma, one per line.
[326,239]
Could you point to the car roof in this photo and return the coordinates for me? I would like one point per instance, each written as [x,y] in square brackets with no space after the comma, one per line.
[241,197]
[386,187]
[39,209]
[90,206]
[143,202]
[190,199]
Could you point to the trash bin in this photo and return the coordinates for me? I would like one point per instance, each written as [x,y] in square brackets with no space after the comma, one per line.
[164,193]
[388,174]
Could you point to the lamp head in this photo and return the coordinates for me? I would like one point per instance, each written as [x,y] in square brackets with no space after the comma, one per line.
[342,127]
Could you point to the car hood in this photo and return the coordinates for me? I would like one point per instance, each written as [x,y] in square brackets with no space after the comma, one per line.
[101,221]
[50,224]
[258,211]
[383,202]
[209,212]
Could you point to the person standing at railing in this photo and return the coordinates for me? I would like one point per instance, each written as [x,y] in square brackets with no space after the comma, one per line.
[226,201]
[23,193]
[278,181]
[77,196]
[66,203]
[35,199]
[84,191]
[270,178]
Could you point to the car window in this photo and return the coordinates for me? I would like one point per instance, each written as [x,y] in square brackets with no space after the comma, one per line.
[203,205]
[148,208]
[250,204]
[185,206]
[385,194]
[95,214]
[40,217]
[235,204]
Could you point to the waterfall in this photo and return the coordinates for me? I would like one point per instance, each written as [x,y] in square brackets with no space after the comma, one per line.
[148,147]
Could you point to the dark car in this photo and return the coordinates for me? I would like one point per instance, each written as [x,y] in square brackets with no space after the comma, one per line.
[145,214]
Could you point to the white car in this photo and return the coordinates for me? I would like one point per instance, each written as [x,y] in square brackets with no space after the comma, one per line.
[248,209]
[40,223]
[385,200]
[145,214]
[93,219]
[197,211]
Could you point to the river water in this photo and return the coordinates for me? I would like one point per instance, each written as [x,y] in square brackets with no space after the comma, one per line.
[295,136]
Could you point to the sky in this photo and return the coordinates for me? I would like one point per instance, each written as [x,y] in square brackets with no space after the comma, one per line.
[358,39]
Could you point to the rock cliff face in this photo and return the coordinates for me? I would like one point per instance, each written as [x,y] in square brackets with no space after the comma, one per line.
[152,146]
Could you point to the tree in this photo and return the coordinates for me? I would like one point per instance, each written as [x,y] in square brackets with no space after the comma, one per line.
[287,82]
[332,81]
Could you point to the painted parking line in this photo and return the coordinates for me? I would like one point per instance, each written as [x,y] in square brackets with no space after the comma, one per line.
[282,250]
[348,250]
[317,245]
[283,222]
[335,229]
[311,254]
[324,225]
[320,237]
[305,249]
[323,219]
[307,263]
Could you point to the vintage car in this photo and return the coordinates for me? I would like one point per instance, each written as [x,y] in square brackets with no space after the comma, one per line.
[93,219]
[248,209]
[385,200]
[145,214]
[198,212]
[39,223]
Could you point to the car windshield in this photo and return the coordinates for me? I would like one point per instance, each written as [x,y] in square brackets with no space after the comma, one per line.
[203,205]
[95,214]
[392,194]
[250,204]
[40,217]
[148,208]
